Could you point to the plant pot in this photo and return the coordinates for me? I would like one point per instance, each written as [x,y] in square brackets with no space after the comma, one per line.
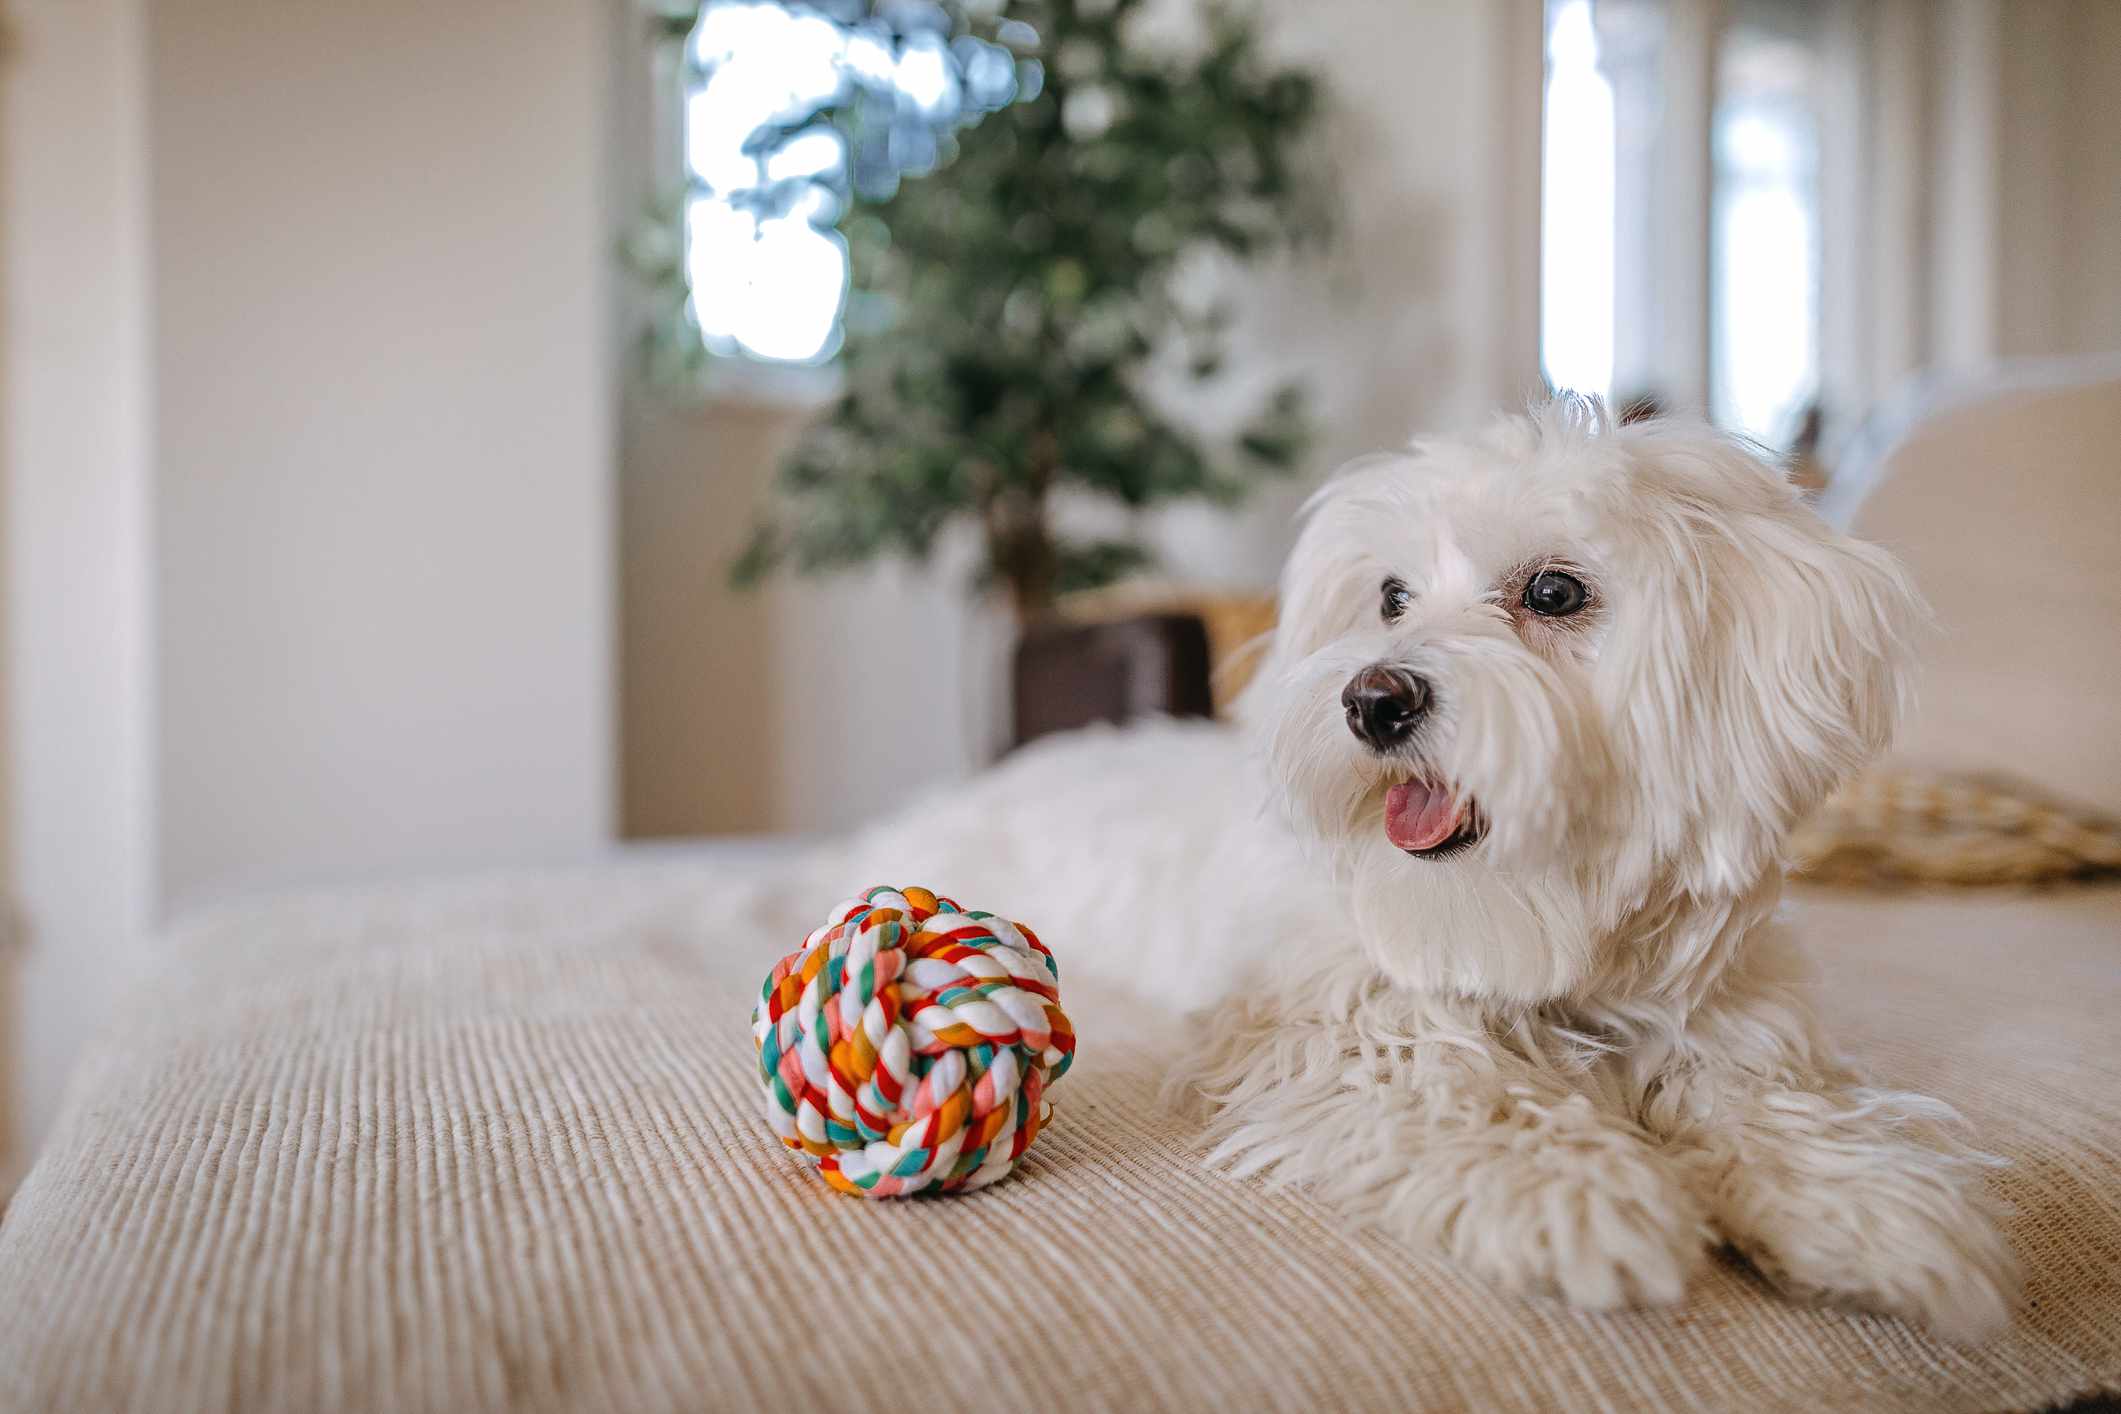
[1068,675]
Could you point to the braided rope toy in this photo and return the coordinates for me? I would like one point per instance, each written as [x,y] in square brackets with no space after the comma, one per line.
[908,1044]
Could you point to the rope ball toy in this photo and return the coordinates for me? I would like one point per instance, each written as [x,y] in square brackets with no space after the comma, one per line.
[908,1044]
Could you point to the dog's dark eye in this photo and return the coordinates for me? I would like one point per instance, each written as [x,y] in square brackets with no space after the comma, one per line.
[1396,598]
[1555,595]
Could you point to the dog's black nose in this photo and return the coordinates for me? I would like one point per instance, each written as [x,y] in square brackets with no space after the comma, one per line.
[1383,705]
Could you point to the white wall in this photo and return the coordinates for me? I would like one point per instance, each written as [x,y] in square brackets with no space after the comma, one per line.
[381,250]
[73,503]
[1989,156]
[307,454]
[2094,50]
[2058,210]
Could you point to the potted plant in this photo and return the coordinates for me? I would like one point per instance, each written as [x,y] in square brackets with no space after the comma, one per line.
[1006,309]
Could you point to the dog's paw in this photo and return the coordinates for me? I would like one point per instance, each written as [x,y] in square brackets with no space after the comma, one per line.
[1553,1201]
[1903,1238]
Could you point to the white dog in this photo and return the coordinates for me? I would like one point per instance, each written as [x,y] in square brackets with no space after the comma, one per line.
[1484,889]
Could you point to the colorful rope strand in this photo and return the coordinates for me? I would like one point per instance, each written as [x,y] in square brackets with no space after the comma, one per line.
[908,1044]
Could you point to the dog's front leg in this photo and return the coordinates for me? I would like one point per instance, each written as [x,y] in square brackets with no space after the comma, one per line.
[1419,1122]
[1834,1190]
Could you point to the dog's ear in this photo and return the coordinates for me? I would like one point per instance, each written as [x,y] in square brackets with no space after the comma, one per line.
[1773,663]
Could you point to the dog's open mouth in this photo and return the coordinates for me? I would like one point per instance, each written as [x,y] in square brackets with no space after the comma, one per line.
[1429,820]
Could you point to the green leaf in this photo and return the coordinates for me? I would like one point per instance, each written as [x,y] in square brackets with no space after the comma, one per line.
[1097,563]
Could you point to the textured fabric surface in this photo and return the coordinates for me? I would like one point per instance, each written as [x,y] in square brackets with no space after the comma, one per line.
[498,1145]
[1891,827]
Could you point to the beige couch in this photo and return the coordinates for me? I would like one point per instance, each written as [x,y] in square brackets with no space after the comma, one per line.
[495,1144]
[2008,512]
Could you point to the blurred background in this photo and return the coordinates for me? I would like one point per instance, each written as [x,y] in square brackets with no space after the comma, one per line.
[391,390]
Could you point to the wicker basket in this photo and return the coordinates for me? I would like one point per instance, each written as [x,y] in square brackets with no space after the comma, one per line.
[1895,827]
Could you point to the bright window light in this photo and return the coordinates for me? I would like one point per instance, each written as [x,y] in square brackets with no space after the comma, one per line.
[1764,298]
[766,270]
[926,76]
[1576,235]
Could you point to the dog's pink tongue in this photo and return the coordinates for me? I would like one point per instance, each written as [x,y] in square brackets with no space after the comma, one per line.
[1419,815]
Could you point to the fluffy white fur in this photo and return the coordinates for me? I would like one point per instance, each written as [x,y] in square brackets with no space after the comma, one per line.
[1579,1053]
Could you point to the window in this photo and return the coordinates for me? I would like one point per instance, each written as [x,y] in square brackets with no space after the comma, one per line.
[1576,228]
[791,111]
[1764,268]
[1626,215]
